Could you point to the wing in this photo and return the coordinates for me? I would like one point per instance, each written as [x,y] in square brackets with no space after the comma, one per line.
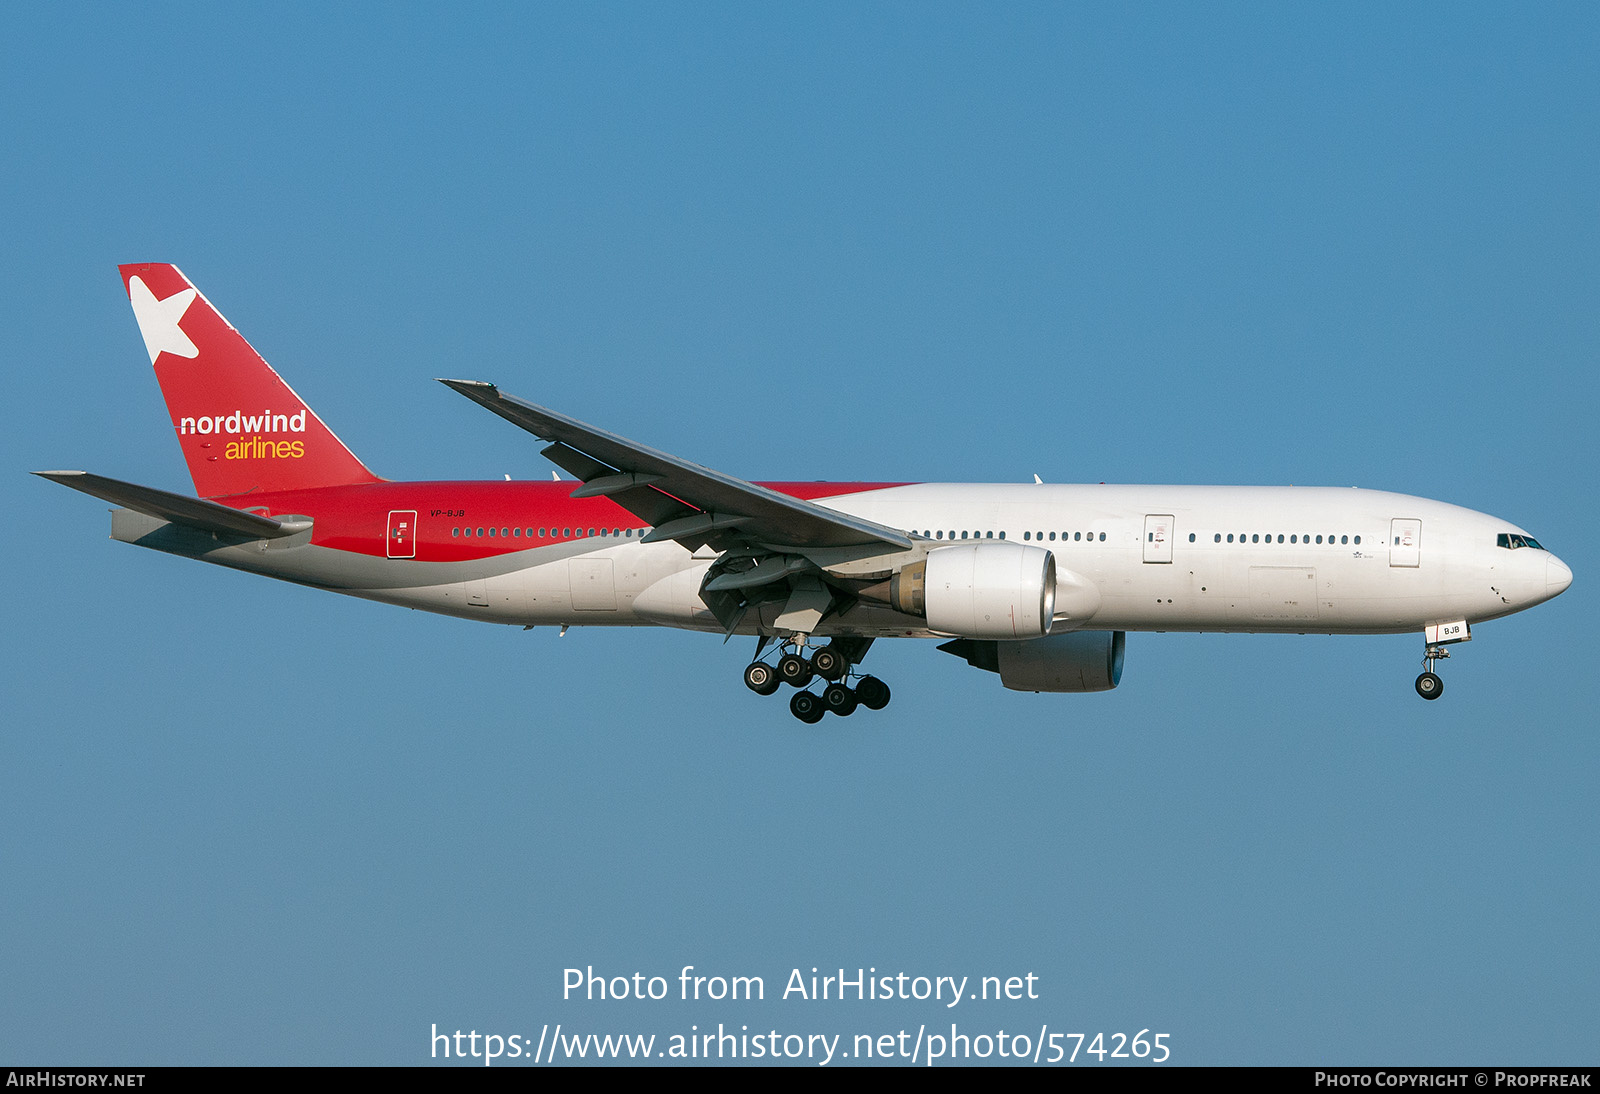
[679,499]
[774,548]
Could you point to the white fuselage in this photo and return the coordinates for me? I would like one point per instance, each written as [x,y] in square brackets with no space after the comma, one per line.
[1162,558]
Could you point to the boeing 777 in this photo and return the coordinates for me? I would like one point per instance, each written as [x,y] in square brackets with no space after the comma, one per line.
[1038,583]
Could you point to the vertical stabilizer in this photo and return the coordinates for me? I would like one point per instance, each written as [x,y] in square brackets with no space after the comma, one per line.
[241,428]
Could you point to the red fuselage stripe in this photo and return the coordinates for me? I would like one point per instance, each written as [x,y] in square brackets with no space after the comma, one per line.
[450,514]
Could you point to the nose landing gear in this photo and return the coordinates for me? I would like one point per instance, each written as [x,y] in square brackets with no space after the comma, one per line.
[1429,686]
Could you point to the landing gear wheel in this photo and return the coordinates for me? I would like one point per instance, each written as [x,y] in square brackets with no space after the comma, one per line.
[1429,686]
[839,699]
[806,707]
[793,669]
[761,678]
[829,663]
[872,692]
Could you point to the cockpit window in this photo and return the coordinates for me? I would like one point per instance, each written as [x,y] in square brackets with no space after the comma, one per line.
[1512,540]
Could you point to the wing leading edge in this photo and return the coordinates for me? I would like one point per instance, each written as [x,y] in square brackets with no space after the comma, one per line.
[679,499]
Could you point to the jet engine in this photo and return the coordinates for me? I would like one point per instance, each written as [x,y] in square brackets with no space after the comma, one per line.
[1075,661]
[980,590]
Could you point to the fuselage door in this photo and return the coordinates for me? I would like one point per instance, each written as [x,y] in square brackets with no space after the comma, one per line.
[1158,538]
[594,585]
[1405,542]
[403,533]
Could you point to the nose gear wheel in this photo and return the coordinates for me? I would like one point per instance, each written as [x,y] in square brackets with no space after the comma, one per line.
[1429,686]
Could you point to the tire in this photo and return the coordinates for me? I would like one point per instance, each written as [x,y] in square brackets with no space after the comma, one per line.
[839,699]
[806,707]
[829,663]
[794,670]
[761,678]
[1429,686]
[873,693]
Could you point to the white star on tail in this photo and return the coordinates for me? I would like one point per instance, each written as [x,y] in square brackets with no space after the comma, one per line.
[158,319]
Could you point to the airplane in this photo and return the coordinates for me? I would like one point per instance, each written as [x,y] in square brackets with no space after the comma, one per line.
[1038,583]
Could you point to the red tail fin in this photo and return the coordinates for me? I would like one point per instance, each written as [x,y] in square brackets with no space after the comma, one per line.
[241,428]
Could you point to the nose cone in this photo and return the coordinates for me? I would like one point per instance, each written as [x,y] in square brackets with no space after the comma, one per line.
[1557,576]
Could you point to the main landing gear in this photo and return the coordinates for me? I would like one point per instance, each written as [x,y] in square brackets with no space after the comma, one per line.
[833,663]
[1429,686]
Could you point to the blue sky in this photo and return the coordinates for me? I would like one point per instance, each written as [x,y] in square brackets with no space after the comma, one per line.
[247,822]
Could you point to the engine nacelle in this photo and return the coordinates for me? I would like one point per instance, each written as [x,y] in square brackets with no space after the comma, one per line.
[981,590]
[1076,661]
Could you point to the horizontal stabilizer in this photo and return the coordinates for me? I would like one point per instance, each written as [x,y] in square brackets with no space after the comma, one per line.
[207,516]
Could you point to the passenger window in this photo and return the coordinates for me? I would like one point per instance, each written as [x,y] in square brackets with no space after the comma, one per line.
[1358,541]
[1102,537]
[455,532]
[1256,538]
[1191,537]
[1280,538]
[1230,537]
